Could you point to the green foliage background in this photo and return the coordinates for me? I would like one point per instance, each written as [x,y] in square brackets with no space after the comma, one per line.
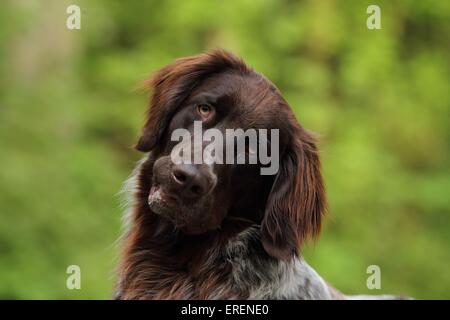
[378,98]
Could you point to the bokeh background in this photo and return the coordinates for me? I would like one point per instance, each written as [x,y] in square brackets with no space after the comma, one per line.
[379,99]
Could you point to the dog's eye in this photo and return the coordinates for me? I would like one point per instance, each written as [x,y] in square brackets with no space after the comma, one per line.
[205,110]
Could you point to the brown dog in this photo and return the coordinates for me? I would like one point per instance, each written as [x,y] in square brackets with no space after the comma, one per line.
[199,231]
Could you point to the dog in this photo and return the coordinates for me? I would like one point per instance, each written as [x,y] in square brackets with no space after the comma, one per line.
[218,230]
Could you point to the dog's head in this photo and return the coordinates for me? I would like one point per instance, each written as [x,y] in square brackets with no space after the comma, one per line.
[218,91]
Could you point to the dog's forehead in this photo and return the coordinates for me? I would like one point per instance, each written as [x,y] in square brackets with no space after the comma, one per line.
[224,83]
[249,94]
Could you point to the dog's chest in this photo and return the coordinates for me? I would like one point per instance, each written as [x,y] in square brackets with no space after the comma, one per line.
[264,277]
[278,280]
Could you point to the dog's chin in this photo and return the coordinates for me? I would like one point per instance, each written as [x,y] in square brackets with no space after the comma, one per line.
[161,203]
[170,210]
[159,207]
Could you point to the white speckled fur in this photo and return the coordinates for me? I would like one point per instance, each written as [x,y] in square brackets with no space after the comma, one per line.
[268,278]
[253,270]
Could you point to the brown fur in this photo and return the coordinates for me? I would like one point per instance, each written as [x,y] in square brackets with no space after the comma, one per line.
[160,262]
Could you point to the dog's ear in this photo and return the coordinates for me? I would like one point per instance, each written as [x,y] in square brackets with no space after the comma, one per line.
[296,203]
[172,85]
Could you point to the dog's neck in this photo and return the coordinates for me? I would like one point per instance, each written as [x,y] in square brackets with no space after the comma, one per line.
[160,262]
[231,259]
[163,263]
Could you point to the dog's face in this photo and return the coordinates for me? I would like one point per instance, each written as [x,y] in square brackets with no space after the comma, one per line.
[219,92]
[197,197]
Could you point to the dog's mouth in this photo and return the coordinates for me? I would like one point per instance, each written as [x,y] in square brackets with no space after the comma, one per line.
[174,210]
[160,201]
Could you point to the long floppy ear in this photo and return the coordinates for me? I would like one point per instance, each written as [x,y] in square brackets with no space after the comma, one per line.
[296,203]
[172,85]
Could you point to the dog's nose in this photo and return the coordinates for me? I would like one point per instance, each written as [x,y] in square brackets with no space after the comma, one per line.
[192,181]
